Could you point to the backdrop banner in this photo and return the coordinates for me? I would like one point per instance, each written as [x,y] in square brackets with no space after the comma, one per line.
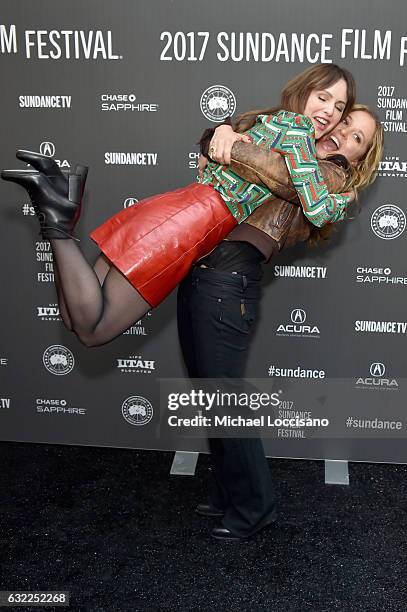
[127,88]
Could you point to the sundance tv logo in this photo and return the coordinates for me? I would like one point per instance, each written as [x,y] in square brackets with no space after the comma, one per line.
[119,158]
[300,271]
[44,101]
[381,327]
[377,380]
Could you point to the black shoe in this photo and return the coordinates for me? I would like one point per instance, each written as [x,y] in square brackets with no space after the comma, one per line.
[56,198]
[208,510]
[222,533]
[48,166]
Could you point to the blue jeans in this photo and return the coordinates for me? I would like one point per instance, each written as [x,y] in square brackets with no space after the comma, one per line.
[216,314]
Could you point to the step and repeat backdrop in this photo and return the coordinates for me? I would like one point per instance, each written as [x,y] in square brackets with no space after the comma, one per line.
[127,88]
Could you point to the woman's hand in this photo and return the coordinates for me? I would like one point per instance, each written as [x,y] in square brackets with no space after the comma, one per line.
[222,142]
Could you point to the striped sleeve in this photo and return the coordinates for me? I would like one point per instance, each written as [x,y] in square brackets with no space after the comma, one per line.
[298,147]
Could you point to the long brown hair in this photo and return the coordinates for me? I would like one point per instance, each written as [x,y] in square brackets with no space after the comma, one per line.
[296,93]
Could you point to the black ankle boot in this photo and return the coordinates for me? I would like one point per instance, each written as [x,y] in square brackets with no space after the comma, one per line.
[56,197]
[50,168]
[47,166]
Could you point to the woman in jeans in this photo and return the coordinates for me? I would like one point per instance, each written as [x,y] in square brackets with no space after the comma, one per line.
[218,304]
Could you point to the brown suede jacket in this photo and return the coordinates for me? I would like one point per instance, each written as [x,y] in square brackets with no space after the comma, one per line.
[278,222]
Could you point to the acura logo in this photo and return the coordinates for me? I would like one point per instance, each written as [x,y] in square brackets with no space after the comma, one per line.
[47,148]
[298,315]
[130,202]
[377,370]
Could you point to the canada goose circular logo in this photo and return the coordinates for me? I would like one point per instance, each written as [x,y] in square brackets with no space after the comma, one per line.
[47,148]
[377,370]
[129,202]
[388,222]
[298,315]
[217,103]
[137,410]
[58,360]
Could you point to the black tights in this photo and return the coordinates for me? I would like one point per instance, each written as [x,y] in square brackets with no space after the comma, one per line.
[96,303]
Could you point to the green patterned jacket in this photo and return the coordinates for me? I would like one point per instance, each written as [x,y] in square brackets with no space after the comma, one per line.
[293,136]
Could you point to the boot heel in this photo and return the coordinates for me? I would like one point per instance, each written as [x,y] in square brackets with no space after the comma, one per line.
[74,188]
[82,171]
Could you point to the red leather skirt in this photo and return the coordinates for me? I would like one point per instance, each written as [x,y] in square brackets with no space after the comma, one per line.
[155,242]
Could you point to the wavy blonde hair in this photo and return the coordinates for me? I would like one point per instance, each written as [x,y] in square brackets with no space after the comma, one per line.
[360,175]
[364,172]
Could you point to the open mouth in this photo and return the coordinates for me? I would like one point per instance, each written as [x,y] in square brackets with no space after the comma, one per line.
[330,144]
[335,141]
[321,123]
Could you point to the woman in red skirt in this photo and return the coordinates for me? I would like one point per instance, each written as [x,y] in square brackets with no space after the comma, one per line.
[148,248]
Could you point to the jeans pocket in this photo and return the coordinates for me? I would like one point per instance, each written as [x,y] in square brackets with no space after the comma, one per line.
[248,311]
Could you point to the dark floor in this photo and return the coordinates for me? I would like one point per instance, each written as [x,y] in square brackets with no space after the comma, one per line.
[116,530]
